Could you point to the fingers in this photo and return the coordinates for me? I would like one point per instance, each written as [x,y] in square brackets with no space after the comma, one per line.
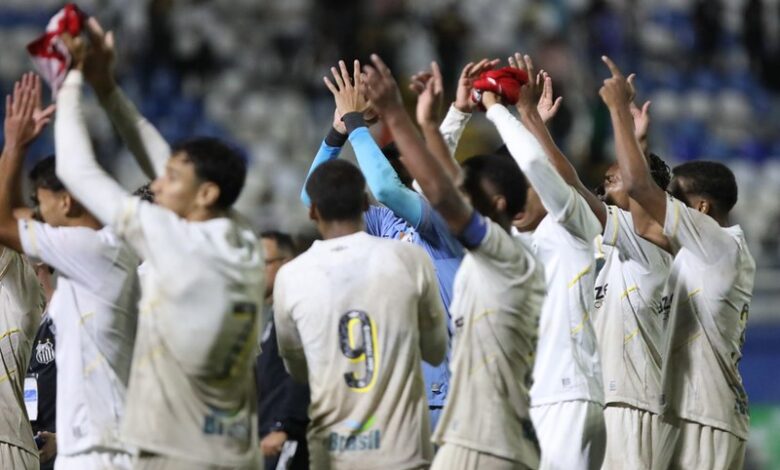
[466,70]
[529,66]
[381,67]
[330,85]
[95,31]
[337,77]
[519,62]
[612,67]
[347,83]
[356,73]
[556,105]
[438,81]
[646,107]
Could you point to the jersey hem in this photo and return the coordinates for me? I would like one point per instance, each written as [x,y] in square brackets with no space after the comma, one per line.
[713,423]
[183,455]
[633,403]
[551,400]
[486,450]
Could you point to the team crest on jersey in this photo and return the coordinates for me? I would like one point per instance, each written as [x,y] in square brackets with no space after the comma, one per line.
[44,352]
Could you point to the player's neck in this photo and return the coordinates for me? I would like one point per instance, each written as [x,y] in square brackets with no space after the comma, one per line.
[339,228]
[85,221]
[202,215]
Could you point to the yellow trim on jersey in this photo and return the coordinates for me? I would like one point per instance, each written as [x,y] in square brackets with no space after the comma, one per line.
[628,291]
[688,341]
[352,343]
[33,239]
[483,315]
[375,347]
[581,325]
[7,376]
[694,292]
[93,365]
[616,222]
[579,275]
[10,332]
[84,317]
[630,336]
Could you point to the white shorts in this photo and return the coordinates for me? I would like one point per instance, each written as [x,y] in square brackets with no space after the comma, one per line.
[635,439]
[455,457]
[571,435]
[16,457]
[94,461]
[700,446]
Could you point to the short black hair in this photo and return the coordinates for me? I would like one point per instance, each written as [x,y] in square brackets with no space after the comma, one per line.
[284,241]
[503,174]
[712,180]
[217,162]
[145,193]
[659,170]
[44,176]
[338,189]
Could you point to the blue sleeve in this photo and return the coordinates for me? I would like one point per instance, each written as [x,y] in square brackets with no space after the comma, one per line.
[326,153]
[383,180]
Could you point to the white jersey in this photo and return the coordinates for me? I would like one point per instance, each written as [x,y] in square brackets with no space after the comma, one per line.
[354,316]
[709,291]
[192,388]
[567,361]
[498,294]
[628,313]
[21,306]
[94,310]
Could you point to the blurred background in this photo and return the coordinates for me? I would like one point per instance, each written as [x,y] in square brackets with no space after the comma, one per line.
[251,71]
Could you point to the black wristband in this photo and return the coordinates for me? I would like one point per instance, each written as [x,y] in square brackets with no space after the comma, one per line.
[353,120]
[335,138]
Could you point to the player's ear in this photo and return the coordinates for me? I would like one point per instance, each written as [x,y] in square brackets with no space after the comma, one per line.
[208,194]
[704,206]
[66,203]
[499,203]
[314,214]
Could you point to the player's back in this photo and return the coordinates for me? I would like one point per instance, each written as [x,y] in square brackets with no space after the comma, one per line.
[355,302]
[192,394]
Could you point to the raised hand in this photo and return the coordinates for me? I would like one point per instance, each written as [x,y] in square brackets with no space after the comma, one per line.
[470,72]
[100,59]
[641,115]
[547,106]
[616,92]
[430,90]
[24,118]
[531,92]
[348,92]
[381,87]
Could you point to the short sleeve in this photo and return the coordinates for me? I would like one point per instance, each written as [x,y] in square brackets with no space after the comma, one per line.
[578,219]
[697,232]
[380,221]
[73,251]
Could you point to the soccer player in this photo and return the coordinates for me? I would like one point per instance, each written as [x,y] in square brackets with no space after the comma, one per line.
[709,291]
[282,402]
[628,295]
[406,215]
[560,226]
[94,306]
[355,315]
[21,298]
[191,401]
[499,290]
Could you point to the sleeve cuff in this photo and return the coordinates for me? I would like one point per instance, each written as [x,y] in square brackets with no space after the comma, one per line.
[474,232]
[353,120]
[74,78]
[335,138]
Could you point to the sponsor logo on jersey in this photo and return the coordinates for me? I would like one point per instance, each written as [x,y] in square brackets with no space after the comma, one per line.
[221,423]
[601,293]
[44,352]
[358,436]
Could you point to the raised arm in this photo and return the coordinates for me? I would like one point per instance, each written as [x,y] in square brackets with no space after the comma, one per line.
[634,170]
[535,114]
[145,142]
[434,180]
[382,179]
[330,148]
[77,167]
[24,121]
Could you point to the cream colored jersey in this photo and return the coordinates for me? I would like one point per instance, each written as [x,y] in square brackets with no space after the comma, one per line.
[627,313]
[21,306]
[709,292]
[354,316]
[95,311]
[499,290]
[192,392]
